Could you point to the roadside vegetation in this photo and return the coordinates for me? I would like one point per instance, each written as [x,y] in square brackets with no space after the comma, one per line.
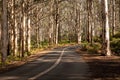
[16,61]
[102,67]
[96,46]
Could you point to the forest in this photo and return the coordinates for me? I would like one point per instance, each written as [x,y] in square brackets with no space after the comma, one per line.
[29,25]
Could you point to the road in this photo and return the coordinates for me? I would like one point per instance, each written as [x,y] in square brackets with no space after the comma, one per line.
[58,64]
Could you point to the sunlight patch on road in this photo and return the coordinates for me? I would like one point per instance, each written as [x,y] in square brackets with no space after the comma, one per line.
[58,52]
[9,78]
[45,60]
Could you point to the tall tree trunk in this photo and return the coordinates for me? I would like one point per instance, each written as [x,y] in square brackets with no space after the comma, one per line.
[90,25]
[28,25]
[77,24]
[4,32]
[38,30]
[79,28]
[114,17]
[29,35]
[56,21]
[119,13]
[51,29]
[88,21]
[23,29]
[14,30]
[103,21]
[107,34]
[24,34]
[15,39]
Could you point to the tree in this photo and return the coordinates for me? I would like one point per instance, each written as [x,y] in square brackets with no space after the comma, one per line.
[4,32]
[51,29]
[14,30]
[107,33]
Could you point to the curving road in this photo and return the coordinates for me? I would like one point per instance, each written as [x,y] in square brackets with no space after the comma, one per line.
[58,64]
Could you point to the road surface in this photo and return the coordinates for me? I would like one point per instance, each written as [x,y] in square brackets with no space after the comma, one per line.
[58,64]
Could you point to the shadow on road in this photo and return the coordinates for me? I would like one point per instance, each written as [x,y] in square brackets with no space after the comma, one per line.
[71,67]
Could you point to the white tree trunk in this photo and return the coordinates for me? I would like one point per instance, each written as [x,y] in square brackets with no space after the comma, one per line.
[107,29]
[79,34]
[57,27]
[16,43]
[29,35]
[24,31]
[23,38]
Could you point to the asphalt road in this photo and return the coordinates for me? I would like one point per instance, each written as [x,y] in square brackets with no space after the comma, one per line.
[58,64]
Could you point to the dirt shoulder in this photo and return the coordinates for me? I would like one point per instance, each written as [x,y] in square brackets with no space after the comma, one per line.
[102,67]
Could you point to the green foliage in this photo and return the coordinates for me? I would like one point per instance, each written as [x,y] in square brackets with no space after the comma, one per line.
[84,46]
[92,48]
[33,42]
[97,39]
[117,35]
[44,43]
[27,54]
[64,42]
[41,44]
[11,59]
[115,45]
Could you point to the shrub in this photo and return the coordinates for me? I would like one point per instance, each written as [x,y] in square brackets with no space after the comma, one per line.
[115,45]
[117,35]
[92,48]
[97,39]
[84,46]
[64,42]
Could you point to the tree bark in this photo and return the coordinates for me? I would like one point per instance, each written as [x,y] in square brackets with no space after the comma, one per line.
[114,17]
[51,29]
[107,34]
[56,20]
[29,35]
[4,32]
